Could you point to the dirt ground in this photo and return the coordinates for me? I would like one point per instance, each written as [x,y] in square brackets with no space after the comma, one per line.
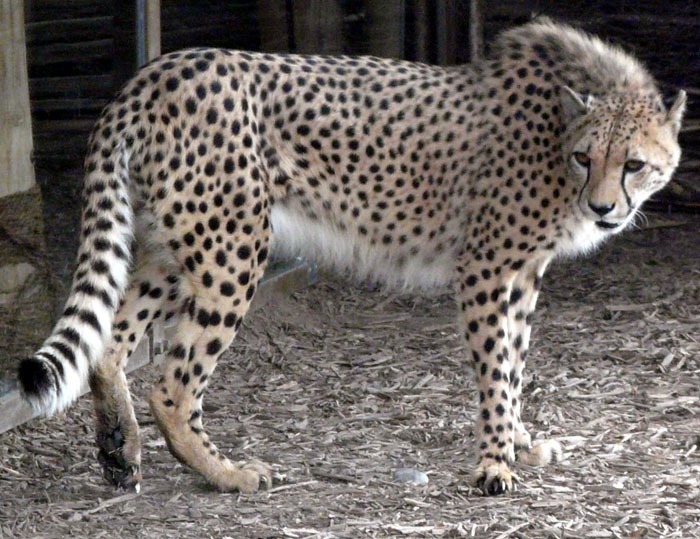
[340,386]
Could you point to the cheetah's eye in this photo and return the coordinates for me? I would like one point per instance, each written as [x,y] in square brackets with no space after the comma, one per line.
[634,165]
[582,159]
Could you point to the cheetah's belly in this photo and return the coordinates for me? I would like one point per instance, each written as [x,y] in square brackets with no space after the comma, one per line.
[295,234]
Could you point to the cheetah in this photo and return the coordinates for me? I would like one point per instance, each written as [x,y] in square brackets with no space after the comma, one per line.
[474,177]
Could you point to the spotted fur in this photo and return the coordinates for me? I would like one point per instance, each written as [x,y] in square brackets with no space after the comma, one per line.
[412,175]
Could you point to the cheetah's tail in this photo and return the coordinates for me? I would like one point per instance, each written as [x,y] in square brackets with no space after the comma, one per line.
[53,378]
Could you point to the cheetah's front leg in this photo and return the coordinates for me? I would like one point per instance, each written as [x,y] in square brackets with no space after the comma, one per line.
[521,306]
[483,301]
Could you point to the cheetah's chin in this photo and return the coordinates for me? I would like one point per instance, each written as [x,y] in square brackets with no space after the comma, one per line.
[606,225]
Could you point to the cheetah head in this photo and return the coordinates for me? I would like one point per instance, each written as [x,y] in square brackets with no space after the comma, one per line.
[619,150]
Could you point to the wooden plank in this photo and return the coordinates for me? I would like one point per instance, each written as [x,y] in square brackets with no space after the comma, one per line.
[80,85]
[84,51]
[16,171]
[68,30]
[77,105]
[280,280]
[50,10]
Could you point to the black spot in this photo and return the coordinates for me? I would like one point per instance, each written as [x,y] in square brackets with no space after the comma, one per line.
[515,295]
[179,352]
[203,318]
[213,347]
[243,252]
[227,289]
[171,84]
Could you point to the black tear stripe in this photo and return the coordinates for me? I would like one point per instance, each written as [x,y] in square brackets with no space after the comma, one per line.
[624,190]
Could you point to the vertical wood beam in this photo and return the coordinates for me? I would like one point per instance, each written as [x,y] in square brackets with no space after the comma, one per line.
[385,27]
[458,29]
[476,30]
[318,26]
[422,27]
[152,36]
[273,21]
[16,170]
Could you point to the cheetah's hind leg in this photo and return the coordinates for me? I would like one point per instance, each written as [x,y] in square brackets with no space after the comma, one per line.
[116,428]
[220,290]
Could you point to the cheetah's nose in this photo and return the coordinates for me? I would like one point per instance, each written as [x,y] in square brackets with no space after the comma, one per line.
[601,209]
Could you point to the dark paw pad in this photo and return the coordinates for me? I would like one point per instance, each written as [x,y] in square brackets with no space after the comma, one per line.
[494,479]
[494,487]
[115,467]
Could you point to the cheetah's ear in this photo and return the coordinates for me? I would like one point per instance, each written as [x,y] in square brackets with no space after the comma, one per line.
[573,104]
[675,113]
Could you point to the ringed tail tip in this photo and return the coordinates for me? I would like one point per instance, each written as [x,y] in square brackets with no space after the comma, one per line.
[37,384]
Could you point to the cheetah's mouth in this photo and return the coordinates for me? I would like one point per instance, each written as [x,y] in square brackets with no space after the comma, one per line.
[606,225]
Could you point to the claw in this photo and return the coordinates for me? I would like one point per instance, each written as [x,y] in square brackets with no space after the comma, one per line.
[494,479]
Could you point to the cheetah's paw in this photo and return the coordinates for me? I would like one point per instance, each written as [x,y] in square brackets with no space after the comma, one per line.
[542,453]
[493,478]
[246,477]
[120,460]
